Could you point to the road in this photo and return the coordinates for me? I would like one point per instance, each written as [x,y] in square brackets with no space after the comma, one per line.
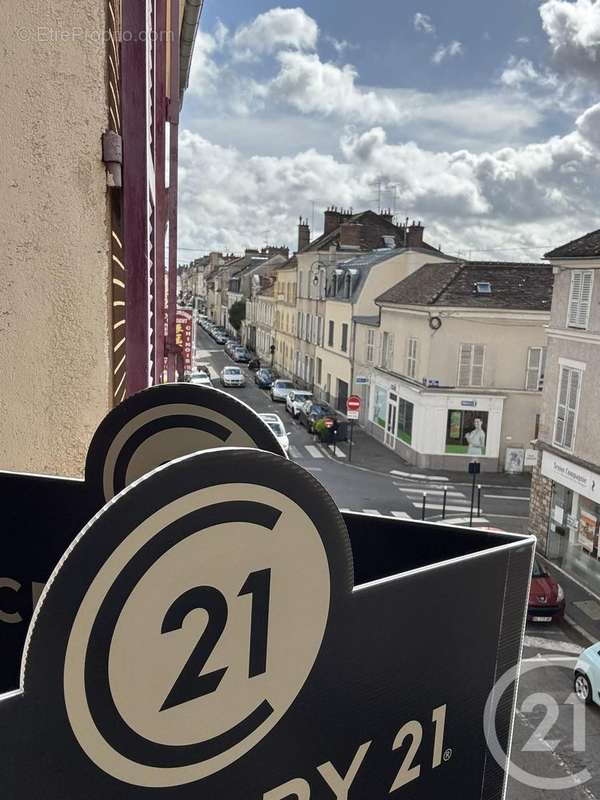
[556,738]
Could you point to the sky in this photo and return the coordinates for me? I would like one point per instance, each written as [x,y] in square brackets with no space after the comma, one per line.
[480,118]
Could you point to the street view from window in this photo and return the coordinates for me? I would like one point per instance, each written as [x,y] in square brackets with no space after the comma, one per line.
[376,226]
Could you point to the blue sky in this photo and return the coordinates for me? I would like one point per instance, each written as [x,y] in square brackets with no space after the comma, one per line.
[477,117]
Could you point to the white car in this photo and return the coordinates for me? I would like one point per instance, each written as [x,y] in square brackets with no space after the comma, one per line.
[200,379]
[274,422]
[295,400]
[232,376]
[586,680]
[280,389]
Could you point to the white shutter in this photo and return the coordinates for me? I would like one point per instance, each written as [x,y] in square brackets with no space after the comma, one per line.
[534,369]
[477,368]
[580,298]
[411,358]
[566,407]
[464,364]
[573,395]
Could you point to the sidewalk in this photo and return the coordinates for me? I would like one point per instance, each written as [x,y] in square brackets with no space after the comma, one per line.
[370,454]
[582,606]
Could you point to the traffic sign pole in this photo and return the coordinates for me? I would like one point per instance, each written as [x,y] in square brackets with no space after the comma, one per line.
[352,412]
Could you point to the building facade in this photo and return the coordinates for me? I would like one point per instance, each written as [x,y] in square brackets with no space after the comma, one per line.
[285,319]
[84,214]
[452,369]
[565,496]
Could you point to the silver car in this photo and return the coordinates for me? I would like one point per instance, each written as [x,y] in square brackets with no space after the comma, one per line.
[280,390]
[586,680]
[232,376]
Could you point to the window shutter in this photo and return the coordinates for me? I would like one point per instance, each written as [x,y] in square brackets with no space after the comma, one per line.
[561,407]
[571,407]
[534,364]
[477,368]
[586,299]
[464,365]
[580,298]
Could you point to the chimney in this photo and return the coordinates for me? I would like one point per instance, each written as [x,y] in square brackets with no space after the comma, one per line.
[387,215]
[350,233]
[303,235]
[414,234]
[334,217]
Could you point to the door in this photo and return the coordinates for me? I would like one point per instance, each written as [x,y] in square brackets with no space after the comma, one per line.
[391,421]
[342,395]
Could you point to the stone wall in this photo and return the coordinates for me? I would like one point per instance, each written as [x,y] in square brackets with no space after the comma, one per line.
[539,508]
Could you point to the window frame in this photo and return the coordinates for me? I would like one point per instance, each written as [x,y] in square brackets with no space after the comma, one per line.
[472,365]
[330,333]
[344,339]
[411,357]
[540,369]
[560,442]
[577,305]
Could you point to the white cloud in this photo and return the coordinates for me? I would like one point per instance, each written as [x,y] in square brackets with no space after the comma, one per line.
[513,199]
[521,71]
[447,51]
[275,29]
[523,40]
[339,45]
[573,29]
[313,86]
[422,22]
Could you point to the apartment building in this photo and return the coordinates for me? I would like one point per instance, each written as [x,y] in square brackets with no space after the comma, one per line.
[565,496]
[285,318]
[260,322]
[91,92]
[452,368]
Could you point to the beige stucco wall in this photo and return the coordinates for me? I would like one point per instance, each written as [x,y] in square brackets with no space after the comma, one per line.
[54,270]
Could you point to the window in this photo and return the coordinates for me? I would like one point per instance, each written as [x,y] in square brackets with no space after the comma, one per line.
[411,358]
[566,407]
[466,432]
[344,337]
[370,351]
[405,420]
[298,325]
[328,387]
[380,406]
[470,364]
[308,327]
[319,370]
[483,287]
[300,284]
[536,362]
[387,355]
[580,298]
[330,334]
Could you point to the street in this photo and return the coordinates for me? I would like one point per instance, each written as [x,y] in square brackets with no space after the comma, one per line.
[556,738]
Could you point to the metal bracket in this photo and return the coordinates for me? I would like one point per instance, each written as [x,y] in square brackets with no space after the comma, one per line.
[112,156]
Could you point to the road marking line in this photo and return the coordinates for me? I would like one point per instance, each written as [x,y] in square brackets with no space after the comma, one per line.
[544,644]
[400,514]
[508,516]
[313,450]
[419,476]
[294,452]
[507,497]
[373,512]
[440,507]
[549,659]
[432,491]
[464,520]
[314,469]
[346,510]
[338,451]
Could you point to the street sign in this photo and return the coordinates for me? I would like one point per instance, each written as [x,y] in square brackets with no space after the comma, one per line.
[474,467]
[186,643]
[352,414]
[361,380]
[329,423]
[353,403]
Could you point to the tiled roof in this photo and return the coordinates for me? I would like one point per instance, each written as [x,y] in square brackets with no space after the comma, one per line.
[374,228]
[586,246]
[513,286]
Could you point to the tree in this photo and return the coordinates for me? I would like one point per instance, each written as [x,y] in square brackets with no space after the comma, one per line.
[237,313]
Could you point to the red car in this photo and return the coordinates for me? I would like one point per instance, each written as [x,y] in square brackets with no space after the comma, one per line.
[546,597]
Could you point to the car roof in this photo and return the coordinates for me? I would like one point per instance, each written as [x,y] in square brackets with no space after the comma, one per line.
[271,418]
[231,369]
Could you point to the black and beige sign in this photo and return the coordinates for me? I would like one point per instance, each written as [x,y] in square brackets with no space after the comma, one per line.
[42,515]
[218,630]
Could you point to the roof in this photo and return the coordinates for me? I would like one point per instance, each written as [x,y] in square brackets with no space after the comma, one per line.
[358,270]
[292,263]
[375,227]
[366,320]
[587,246]
[513,286]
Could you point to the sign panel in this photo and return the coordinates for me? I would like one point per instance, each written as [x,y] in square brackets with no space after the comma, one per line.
[352,414]
[184,336]
[145,431]
[361,380]
[514,460]
[588,524]
[353,403]
[190,634]
[531,457]
[578,479]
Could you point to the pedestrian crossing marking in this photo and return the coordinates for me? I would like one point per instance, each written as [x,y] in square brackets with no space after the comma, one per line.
[430,491]
[313,450]
[338,451]
[373,512]
[419,476]
[440,507]
[294,452]
[400,514]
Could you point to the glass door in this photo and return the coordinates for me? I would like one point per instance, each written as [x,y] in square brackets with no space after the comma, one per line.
[392,417]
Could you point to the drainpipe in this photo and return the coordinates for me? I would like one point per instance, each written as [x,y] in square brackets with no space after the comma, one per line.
[173,117]
[189,27]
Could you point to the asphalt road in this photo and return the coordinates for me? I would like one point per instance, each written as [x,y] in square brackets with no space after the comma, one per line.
[556,739]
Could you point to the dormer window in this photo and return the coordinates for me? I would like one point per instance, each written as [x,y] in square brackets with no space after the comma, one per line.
[483,287]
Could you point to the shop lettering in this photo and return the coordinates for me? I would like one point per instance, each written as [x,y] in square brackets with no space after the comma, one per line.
[9,608]
[411,768]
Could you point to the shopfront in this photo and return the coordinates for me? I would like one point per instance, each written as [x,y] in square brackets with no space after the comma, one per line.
[392,418]
[573,526]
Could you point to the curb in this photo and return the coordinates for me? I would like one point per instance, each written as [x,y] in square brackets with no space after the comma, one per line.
[581,631]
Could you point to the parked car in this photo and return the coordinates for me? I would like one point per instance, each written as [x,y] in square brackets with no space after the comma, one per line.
[200,379]
[280,389]
[295,400]
[254,364]
[586,679]
[240,355]
[311,411]
[230,346]
[264,378]
[232,376]
[274,422]
[220,338]
[546,597]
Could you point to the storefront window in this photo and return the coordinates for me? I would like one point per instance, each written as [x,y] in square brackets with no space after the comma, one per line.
[405,420]
[380,407]
[466,432]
